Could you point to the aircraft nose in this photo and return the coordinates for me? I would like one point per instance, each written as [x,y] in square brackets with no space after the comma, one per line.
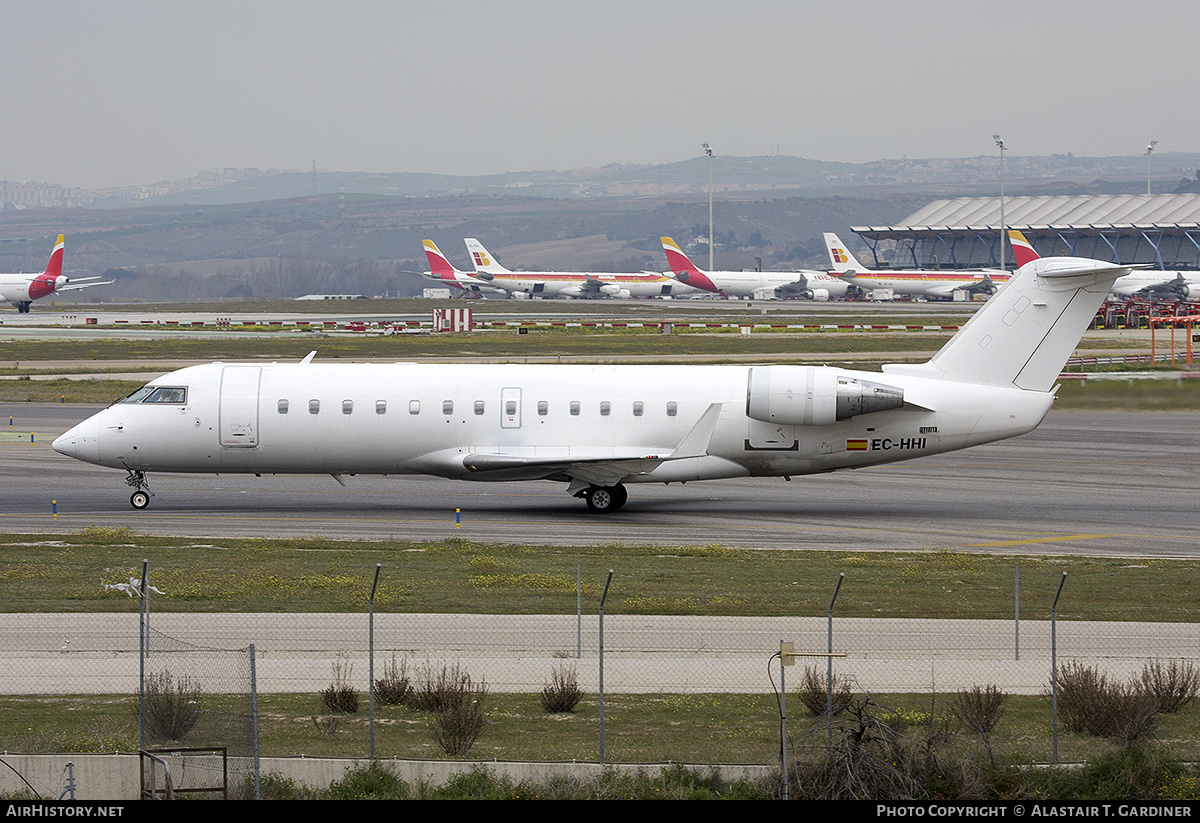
[80,441]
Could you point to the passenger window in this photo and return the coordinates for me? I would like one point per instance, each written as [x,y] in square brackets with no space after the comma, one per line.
[447,407]
[283,407]
[314,406]
[575,407]
[672,409]
[381,407]
[543,408]
[479,406]
[638,408]
[414,406]
[347,407]
[605,408]
[510,407]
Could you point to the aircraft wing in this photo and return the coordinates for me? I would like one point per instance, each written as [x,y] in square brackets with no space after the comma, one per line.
[75,285]
[604,467]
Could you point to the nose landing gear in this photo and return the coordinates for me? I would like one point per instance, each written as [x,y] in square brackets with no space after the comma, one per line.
[140,498]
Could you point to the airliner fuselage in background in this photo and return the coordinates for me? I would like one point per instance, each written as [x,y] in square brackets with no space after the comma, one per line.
[915,282]
[573,284]
[22,289]
[598,428]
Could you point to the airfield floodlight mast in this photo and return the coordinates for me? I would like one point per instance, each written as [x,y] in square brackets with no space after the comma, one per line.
[1149,151]
[1000,143]
[709,152]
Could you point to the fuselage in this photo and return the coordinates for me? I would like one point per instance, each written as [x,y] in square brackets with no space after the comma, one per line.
[433,419]
[588,284]
[923,283]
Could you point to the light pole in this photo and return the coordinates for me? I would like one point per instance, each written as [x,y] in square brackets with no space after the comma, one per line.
[708,151]
[1149,150]
[1000,143]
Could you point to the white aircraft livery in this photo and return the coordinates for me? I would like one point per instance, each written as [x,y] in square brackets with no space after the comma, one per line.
[812,285]
[921,282]
[598,428]
[22,289]
[1163,285]
[574,284]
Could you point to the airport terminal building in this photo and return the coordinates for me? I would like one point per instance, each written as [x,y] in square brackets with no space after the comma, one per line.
[1162,231]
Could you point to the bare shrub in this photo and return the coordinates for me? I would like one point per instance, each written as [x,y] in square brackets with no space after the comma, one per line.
[394,688]
[437,690]
[814,692]
[562,693]
[458,724]
[172,706]
[1122,712]
[1172,685]
[980,708]
[340,697]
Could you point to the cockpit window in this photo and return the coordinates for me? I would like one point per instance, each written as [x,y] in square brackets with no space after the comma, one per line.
[158,394]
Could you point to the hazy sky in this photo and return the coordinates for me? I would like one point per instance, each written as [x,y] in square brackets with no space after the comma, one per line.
[122,92]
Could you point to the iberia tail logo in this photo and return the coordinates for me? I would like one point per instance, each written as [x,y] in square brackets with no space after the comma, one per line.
[481,259]
[839,255]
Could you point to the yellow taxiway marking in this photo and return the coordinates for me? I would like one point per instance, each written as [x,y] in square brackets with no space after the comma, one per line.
[1059,539]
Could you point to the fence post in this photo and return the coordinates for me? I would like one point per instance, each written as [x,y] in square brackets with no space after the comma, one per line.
[371,657]
[602,599]
[1054,663]
[829,665]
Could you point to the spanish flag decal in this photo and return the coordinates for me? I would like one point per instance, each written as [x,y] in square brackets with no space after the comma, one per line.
[856,445]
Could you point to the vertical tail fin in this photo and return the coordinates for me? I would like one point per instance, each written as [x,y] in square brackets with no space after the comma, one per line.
[1024,334]
[684,269]
[438,264]
[1022,249]
[840,258]
[55,263]
[482,259]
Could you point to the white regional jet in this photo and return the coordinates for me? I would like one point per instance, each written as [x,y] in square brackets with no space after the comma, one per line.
[762,285]
[921,282]
[597,428]
[571,283]
[443,272]
[23,289]
[1164,285]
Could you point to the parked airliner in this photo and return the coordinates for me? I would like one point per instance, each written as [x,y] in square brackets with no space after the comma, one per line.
[443,271]
[22,289]
[598,428]
[918,282]
[571,283]
[762,285]
[1163,285]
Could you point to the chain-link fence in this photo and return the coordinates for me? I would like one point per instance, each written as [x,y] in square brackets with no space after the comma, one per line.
[698,689]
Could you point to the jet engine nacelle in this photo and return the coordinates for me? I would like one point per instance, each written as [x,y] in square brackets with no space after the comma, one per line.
[820,295]
[1190,291]
[813,396]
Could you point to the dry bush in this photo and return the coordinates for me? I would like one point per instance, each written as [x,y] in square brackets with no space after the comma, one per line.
[458,724]
[814,692]
[1173,685]
[340,697]
[562,693]
[980,708]
[437,690]
[1122,712]
[172,706]
[394,688]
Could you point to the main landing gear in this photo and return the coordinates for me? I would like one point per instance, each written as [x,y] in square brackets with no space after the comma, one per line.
[140,498]
[604,499]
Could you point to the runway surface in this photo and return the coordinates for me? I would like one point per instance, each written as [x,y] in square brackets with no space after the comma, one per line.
[1089,483]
